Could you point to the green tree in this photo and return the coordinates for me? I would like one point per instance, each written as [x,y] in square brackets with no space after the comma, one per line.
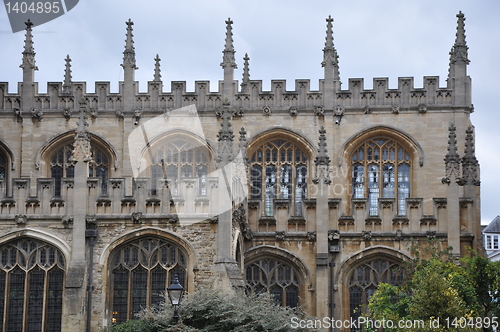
[439,289]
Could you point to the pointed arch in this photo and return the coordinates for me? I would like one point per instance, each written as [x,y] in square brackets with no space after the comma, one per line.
[58,140]
[280,161]
[355,140]
[140,265]
[278,272]
[361,273]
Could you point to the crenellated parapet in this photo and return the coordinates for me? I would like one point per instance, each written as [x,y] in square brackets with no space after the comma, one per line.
[356,98]
[248,96]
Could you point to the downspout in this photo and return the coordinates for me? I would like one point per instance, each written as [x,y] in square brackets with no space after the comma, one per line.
[334,249]
[91,235]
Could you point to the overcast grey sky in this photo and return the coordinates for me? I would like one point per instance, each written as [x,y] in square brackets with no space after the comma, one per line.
[284,39]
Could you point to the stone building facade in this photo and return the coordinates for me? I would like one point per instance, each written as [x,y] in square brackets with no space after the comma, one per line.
[313,196]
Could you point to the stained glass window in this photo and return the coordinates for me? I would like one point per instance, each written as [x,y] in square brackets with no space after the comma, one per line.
[381,168]
[31,286]
[278,169]
[141,271]
[278,278]
[363,282]
[62,167]
[178,159]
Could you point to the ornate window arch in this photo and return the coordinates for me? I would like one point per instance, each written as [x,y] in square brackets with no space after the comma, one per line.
[32,274]
[140,270]
[176,157]
[278,277]
[61,166]
[278,168]
[363,280]
[381,168]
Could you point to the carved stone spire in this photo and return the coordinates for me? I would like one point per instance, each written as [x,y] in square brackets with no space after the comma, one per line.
[225,137]
[452,159]
[81,147]
[331,65]
[228,60]
[459,52]
[246,75]
[28,64]
[322,160]
[470,165]
[228,64]
[157,76]
[129,64]
[459,58]
[66,88]
[330,56]
[243,139]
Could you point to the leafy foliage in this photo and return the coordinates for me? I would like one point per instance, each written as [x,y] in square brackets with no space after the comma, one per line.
[209,310]
[441,288]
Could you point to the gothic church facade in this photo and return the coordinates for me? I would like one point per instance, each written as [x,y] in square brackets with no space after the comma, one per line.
[313,196]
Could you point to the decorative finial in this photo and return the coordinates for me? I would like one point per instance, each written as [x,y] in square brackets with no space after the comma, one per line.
[225,136]
[322,160]
[452,159]
[157,76]
[330,56]
[243,138]
[67,76]
[246,75]
[228,53]
[129,53]
[470,165]
[29,51]
[458,53]
[81,147]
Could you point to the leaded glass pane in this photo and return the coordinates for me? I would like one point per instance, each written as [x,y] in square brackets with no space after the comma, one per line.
[275,277]
[142,269]
[387,173]
[285,175]
[36,281]
[15,312]
[54,299]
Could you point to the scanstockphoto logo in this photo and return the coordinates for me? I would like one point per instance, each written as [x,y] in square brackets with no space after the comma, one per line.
[171,159]
[36,12]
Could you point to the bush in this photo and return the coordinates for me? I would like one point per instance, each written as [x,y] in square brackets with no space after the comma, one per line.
[209,310]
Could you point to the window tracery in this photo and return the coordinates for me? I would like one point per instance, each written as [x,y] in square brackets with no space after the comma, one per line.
[178,159]
[61,167]
[278,169]
[363,282]
[281,280]
[141,271]
[31,286]
[381,168]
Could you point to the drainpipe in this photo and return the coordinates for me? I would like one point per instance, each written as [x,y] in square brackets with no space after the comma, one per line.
[334,249]
[91,235]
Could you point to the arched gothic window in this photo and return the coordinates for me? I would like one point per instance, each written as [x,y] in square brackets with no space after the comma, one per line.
[278,278]
[177,159]
[363,282]
[62,167]
[381,168]
[278,169]
[141,271]
[31,286]
[3,166]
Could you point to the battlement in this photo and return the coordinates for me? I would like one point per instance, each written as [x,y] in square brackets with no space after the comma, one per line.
[356,97]
[247,95]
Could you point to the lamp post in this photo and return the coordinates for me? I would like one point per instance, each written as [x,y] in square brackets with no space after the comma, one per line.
[175,294]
